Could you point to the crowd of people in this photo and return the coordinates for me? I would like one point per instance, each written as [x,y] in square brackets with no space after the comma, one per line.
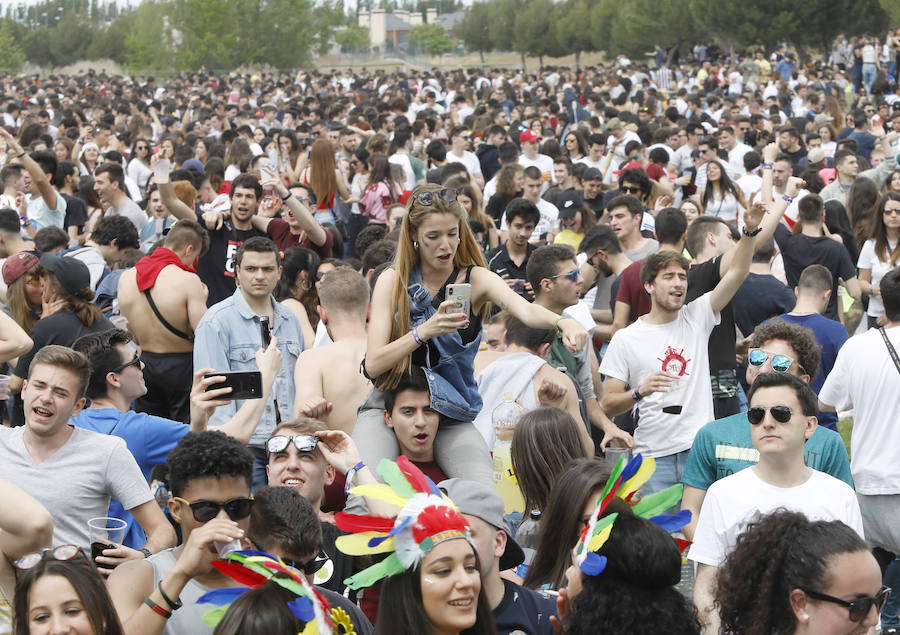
[271,327]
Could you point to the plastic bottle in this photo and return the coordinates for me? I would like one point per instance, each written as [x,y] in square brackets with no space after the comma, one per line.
[504,419]
[527,533]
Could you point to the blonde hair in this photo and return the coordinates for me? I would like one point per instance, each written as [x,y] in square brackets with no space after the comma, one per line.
[300,425]
[407,259]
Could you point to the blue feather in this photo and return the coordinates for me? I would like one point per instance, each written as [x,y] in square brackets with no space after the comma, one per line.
[632,468]
[433,487]
[673,522]
[225,595]
[374,542]
[593,564]
[302,608]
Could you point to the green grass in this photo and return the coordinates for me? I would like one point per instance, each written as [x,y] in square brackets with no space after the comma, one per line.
[845,427]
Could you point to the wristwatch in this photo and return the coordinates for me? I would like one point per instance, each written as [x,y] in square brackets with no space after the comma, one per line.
[636,395]
[751,234]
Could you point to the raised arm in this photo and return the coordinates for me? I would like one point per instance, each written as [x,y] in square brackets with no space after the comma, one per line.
[167,195]
[25,526]
[40,179]
[740,264]
[301,212]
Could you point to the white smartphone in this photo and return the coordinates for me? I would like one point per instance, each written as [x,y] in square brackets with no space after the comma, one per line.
[461,295]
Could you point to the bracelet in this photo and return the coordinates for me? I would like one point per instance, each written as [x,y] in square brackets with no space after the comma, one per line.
[286,198]
[415,334]
[635,395]
[156,608]
[23,153]
[350,474]
[767,166]
[556,324]
[787,198]
[177,604]
[147,553]
[751,233]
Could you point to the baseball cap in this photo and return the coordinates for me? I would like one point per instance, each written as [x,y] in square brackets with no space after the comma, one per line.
[592,174]
[17,264]
[816,155]
[194,165]
[568,203]
[72,274]
[821,119]
[481,501]
[614,124]
[528,135]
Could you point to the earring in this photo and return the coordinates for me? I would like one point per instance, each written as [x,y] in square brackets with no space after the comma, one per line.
[805,617]
[415,245]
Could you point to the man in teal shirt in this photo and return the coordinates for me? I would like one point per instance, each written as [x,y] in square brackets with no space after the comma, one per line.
[724,446]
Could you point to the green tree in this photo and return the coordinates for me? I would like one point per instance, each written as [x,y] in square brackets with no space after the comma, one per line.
[11,52]
[475,28]
[641,24]
[148,43]
[534,32]
[573,28]
[353,39]
[431,37]
[502,23]
[110,40]
[69,40]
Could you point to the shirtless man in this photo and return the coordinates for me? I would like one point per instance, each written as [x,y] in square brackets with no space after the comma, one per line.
[522,372]
[164,299]
[327,380]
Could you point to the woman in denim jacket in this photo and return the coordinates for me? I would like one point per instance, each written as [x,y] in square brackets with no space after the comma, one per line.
[410,325]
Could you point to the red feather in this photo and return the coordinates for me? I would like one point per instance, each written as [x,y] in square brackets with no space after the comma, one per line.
[239,573]
[611,495]
[413,475]
[357,523]
[322,601]
[682,544]
[437,518]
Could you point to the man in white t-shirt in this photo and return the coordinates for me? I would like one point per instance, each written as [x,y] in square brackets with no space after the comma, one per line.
[664,357]
[782,417]
[866,377]
[736,150]
[460,139]
[596,147]
[547,227]
[530,142]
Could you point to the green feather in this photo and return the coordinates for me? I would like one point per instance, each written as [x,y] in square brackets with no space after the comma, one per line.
[384,569]
[213,617]
[395,478]
[290,584]
[614,476]
[657,503]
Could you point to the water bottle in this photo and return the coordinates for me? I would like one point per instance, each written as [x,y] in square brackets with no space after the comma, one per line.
[504,418]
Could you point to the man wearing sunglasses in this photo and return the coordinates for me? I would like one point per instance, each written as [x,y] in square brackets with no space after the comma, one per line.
[209,476]
[782,417]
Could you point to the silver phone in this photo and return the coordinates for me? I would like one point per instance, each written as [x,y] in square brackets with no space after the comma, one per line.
[461,295]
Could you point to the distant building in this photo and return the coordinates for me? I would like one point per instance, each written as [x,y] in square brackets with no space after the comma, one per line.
[391,30]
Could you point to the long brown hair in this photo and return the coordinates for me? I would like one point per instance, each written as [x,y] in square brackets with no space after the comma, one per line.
[506,180]
[882,250]
[407,259]
[17,301]
[321,170]
[79,303]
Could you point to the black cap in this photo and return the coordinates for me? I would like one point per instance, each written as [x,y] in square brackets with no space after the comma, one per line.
[568,203]
[72,274]
[592,174]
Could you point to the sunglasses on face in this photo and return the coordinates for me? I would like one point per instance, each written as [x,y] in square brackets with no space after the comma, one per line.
[859,607]
[781,414]
[448,195]
[136,362]
[309,567]
[62,552]
[572,275]
[630,189]
[780,363]
[204,510]
[303,442]
[891,212]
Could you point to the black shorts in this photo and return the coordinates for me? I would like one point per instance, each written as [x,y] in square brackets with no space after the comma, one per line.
[168,377]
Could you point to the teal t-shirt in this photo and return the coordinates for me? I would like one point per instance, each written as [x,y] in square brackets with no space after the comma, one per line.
[725,446]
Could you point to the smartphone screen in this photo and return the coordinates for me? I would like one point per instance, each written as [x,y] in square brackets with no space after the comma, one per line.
[461,295]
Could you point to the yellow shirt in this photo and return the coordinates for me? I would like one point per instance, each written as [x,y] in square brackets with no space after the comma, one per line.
[568,237]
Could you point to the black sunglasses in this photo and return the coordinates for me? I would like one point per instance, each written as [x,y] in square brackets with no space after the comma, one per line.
[63,553]
[781,414]
[448,195]
[136,361]
[309,567]
[630,190]
[859,607]
[204,510]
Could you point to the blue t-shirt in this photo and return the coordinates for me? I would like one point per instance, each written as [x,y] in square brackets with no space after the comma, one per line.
[725,446]
[149,439]
[524,610]
[831,335]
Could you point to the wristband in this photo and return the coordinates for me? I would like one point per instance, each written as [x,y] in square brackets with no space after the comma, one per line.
[752,233]
[286,198]
[350,474]
[787,198]
[767,166]
[415,334]
[156,608]
[147,553]
[177,604]
[636,395]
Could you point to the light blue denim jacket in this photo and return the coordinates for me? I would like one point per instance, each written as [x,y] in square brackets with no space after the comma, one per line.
[227,339]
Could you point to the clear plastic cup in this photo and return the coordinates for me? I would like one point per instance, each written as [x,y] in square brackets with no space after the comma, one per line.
[4,387]
[105,532]
[612,454]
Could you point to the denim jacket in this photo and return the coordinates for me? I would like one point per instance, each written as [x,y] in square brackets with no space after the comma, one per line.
[227,339]
[450,373]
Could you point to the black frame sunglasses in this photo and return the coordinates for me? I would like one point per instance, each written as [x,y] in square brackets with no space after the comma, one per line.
[857,608]
[136,361]
[311,566]
[303,443]
[205,510]
[448,195]
[781,414]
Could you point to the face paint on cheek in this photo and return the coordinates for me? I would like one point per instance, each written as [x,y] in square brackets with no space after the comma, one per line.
[427,580]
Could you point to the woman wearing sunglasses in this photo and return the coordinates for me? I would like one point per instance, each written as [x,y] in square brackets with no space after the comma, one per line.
[412,323]
[790,574]
[59,591]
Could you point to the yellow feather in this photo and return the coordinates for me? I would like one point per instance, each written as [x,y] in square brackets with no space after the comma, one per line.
[381,492]
[648,466]
[358,544]
[599,538]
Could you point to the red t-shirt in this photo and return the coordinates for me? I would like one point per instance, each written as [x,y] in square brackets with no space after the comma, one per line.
[632,292]
[280,233]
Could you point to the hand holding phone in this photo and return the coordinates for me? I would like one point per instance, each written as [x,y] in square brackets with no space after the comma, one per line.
[244,385]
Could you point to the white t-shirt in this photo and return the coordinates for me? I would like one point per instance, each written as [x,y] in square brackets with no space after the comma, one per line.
[403,161]
[736,500]
[679,347]
[541,162]
[490,188]
[468,159]
[864,378]
[749,184]
[549,217]
[736,157]
[869,260]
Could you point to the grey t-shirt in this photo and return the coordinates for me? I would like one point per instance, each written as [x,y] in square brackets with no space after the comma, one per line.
[188,620]
[76,482]
[649,247]
[130,210]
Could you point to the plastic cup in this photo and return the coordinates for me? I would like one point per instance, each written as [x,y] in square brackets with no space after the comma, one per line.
[105,533]
[612,454]
[161,169]
[4,387]
[224,548]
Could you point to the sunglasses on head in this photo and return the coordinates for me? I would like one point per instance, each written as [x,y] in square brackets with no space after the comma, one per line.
[204,510]
[572,275]
[859,607]
[448,195]
[781,414]
[136,362]
[309,567]
[63,553]
[780,363]
[303,443]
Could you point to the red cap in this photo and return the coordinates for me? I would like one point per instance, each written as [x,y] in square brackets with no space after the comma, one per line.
[528,135]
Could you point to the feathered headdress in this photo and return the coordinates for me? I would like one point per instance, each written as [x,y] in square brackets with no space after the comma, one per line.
[427,517]
[254,569]
[624,482]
